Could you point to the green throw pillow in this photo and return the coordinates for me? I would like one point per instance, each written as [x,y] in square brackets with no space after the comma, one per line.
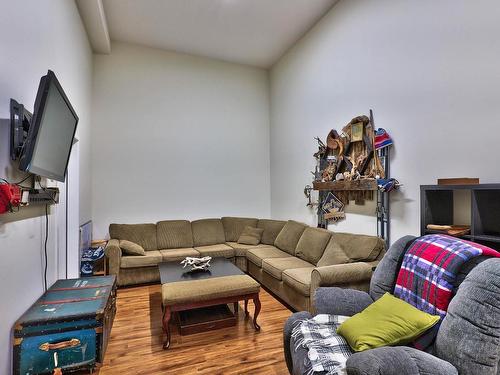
[388,321]
[131,248]
[251,236]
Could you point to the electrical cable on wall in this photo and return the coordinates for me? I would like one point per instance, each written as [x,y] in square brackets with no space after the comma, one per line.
[12,203]
[44,189]
[37,179]
[45,246]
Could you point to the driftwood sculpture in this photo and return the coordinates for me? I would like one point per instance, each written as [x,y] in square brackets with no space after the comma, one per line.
[350,167]
[350,155]
[197,264]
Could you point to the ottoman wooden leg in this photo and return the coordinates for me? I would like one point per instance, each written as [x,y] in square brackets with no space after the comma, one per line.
[167,314]
[246,307]
[256,302]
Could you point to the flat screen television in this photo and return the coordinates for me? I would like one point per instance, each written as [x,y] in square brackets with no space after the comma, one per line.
[49,140]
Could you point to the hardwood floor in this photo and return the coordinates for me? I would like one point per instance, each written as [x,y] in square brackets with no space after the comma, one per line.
[135,345]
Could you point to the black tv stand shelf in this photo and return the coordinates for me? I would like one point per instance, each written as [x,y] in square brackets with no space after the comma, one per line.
[437,207]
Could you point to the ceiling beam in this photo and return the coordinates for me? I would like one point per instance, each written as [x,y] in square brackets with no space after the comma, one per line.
[94,19]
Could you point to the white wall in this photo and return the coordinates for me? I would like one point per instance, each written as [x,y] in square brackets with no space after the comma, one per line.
[36,36]
[431,72]
[177,136]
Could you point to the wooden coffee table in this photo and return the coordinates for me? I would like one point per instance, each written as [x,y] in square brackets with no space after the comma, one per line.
[224,283]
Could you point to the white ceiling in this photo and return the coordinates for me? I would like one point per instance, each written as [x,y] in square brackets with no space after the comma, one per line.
[253,32]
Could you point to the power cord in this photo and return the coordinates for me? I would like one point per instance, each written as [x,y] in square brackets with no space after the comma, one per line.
[45,190]
[24,179]
[19,182]
[37,179]
[45,246]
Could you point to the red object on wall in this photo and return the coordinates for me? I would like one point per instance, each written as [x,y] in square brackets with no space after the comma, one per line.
[10,196]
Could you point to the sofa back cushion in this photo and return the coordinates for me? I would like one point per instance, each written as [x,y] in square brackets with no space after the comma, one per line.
[131,248]
[469,334]
[289,236]
[208,232]
[233,226]
[384,277]
[271,230]
[142,234]
[312,244]
[348,248]
[250,236]
[174,234]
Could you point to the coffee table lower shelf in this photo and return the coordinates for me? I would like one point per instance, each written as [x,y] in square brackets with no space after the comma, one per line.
[206,319]
[170,309]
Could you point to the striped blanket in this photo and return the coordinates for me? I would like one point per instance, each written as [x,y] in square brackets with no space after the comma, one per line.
[429,268]
[327,351]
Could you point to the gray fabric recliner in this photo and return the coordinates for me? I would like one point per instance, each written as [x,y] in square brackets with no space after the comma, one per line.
[468,340]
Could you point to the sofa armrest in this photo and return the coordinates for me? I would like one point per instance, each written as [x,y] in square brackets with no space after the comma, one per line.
[398,360]
[114,255]
[342,274]
[339,301]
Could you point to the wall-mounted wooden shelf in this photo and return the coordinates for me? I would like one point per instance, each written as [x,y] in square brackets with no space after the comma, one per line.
[364,185]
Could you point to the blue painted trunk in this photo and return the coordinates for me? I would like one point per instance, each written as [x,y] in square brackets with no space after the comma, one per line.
[67,328]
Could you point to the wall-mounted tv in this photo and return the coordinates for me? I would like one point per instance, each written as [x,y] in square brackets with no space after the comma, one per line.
[47,145]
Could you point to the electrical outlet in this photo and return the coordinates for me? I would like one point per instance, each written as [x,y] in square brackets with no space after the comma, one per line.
[25,197]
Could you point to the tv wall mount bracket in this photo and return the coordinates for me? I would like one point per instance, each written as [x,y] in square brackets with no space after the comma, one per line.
[20,121]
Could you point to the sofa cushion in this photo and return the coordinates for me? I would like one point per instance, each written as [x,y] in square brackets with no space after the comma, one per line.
[469,334]
[384,277]
[174,234]
[333,254]
[208,232]
[151,258]
[257,254]
[271,230]
[142,234]
[348,248]
[219,250]
[400,360]
[207,289]
[388,321]
[176,255]
[131,248]
[234,226]
[250,236]
[312,243]
[289,236]
[360,247]
[299,279]
[240,249]
[275,266]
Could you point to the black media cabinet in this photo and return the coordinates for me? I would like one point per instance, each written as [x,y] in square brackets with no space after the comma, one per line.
[437,207]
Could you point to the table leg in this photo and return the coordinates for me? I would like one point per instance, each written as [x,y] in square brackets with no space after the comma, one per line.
[246,307]
[256,302]
[235,304]
[167,314]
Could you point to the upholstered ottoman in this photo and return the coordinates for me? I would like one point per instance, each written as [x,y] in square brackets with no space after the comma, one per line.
[192,294]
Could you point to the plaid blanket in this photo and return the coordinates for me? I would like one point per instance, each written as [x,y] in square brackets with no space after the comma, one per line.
[429,268]
[327,350]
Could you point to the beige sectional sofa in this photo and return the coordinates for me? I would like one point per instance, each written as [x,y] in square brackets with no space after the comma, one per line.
[292,259]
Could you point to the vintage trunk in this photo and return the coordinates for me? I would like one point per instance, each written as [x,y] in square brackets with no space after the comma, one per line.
[67,328]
